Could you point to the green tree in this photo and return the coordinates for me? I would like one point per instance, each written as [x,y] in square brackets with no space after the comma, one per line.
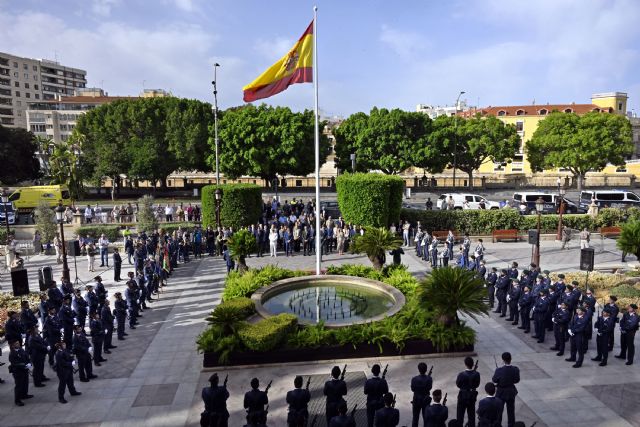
[146,218]
[580,143]
[474,141]
[375,242]
[45,145]
[629,240]
[46,222]
[242,244]
[17,156]
[266,142]
[451,290]
[387,140]
[64,166]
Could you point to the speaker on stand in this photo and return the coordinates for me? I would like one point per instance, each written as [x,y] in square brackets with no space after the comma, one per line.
[20,282]
[586,263]
[73,249]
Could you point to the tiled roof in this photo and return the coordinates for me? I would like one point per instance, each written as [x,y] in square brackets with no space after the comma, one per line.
[89,99]
[531,110]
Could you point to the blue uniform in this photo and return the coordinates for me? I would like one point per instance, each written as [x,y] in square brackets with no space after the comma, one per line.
[374,388]
[298,400]
[436,415]
[490,412]
[467,381]
[560,321]
[387,417]
[421,387]
[628,329]
[604,326]
[540,310]
[506,377]
[577,329]
[524,303]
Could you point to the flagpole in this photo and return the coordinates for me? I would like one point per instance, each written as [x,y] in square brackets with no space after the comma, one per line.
[317,138]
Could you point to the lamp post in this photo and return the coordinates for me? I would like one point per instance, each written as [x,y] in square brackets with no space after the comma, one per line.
[215,117]
[60,219]
[353,162]
[536,253]
[455,135]
[5,202]
[218,195]
[561,193]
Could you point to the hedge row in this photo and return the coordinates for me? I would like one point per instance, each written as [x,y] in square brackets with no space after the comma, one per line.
[240,205]
[370,199]
[485,221]
[114,232]
[238,285]
[267,334]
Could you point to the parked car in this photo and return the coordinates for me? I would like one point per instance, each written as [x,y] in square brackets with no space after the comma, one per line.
[472,201]
[9,210]
[526,203]
[609,198]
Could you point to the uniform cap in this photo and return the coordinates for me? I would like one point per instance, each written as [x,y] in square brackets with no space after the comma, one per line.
[575,283]
[634,306]
[560,276]
[545,272]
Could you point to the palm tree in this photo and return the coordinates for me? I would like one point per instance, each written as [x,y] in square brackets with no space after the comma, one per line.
[241,245]
[629,240]
[449,290]
[375,242]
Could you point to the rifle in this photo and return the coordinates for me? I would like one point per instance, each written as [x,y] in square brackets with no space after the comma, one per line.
[444,401]
[308,382]
[495,361]
[353,411]
[393,404]
[534,424]
[384,373]
[313,422]
[430,371]
[225,381]
[344,370]
[475,367]
[266,390]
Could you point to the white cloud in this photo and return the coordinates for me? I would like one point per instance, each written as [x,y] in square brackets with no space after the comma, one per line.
[274,49]
[103,7]
[186,5]
[404,43]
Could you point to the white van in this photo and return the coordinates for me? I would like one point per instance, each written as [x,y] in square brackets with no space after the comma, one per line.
[609,198]
[465,201]
[526,202]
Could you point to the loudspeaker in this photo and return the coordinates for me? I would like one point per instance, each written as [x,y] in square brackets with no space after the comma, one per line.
[586,259]
[20,282]
[73,248]
[45,277]
[533,237]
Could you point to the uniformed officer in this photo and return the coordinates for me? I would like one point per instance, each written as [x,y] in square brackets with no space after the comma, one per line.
[524,305]
[92,299]
[613,308]
[13,328]
[107,322]
[131,297]
[628,329]
[27,318]
[64,368]
[375,388]
[120,313]
[505,378]
[101,292]
[97,338]
[436,414]
[560,285]
[82,349]
[298,399]
[492,277]
[67,319]
[540,310]
[577,328]
[254,402]
[334,389]
[80,307]
[502,289]
[604,327]
[387,416]
[55,296]
[512,299]
[553,304]
[341,419]
[215,404]
[52,328]
[421,387]
[561,317]
[467,381]
[490,408]
[38,349]
[19,368]
[513,271]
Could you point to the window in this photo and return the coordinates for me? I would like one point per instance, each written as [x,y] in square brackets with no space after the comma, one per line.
[298,183]
[25,66]
[619,106]
[35,78]
[36,87]
[520,126]
[26,85]
[15,64]
[38,128]
[37,95]
[610,196]
[16,84]
[520,113]
[35,68]
[632,196]
[16,74]
[17,93]
[596,110]
[568,110]
[543,112]
[468,198]
[502,113]
[28,95]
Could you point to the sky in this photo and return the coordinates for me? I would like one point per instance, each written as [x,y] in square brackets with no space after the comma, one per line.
[393,54]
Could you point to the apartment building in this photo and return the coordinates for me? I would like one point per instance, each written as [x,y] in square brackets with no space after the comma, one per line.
[25,80]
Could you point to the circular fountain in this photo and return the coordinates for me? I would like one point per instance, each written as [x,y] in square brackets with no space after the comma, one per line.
[335,300]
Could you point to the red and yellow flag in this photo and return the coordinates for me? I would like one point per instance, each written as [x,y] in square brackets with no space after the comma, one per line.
[295,67]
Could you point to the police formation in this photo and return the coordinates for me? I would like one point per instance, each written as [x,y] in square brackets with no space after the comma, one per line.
[57,329]
[427,404]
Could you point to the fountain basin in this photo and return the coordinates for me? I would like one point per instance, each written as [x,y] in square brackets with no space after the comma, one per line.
[334,299]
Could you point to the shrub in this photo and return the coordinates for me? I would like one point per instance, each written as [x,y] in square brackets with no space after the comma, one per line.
[629,240]
[112,232]
[356,270]
[240,205]
[449,338]
[243,306]
[402,280]
[170,227]
[146,217]
[269,333]
[239,284]
[370,200]
[3,234]
[625,291]
[242,244]
[46,222]
[375,242]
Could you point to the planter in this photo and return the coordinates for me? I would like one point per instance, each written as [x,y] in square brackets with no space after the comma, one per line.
[326,353]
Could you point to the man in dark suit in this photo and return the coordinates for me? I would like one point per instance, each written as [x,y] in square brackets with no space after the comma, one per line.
[467,381]
[334,389]
[117,265]
[490,408]
[560,320]
[492,277]
[375,388]
[604,327]
[505,378]
[577,329]
[421,387]
[298,400]
[254,402]
[215,404]
[628,329]
[387,416]
[436,414]
[502,288]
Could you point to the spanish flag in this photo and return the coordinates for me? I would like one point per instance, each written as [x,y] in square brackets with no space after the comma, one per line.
[295,67]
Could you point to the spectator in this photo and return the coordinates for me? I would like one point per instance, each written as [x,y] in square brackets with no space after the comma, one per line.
[168,213]
[88,214]
[103,244]
[429,204]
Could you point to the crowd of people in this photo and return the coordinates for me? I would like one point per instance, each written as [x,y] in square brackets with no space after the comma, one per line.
[426,404]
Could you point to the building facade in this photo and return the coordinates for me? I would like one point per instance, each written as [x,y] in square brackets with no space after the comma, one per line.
[434,111]
[26,80]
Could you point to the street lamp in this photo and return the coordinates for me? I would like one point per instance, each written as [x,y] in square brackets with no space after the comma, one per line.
[218,195]
[455,140]
[215,117]
[561,193]
[5,202]
[60,218]
[352,156]
[536,253]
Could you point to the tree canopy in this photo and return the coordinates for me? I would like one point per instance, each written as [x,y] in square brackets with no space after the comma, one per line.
[266,141]
[389,141]
[17,156]
[580,143]
[146,138]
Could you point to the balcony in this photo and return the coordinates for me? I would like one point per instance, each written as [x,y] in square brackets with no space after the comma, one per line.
[7,121]
[4,61]
[6,112]
[4,72]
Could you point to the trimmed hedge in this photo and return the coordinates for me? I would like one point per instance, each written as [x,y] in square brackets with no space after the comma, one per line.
[269,333]
[112,232]
[370,199]
[238,284]
[240,205]
[3,234]
[483,222]
[243,306]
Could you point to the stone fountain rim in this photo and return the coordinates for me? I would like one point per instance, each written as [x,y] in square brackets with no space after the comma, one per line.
[264,293]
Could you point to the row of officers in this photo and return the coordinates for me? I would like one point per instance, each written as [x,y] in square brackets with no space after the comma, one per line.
[429,405]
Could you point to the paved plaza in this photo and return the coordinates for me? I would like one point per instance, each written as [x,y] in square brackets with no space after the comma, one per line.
[154,378]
